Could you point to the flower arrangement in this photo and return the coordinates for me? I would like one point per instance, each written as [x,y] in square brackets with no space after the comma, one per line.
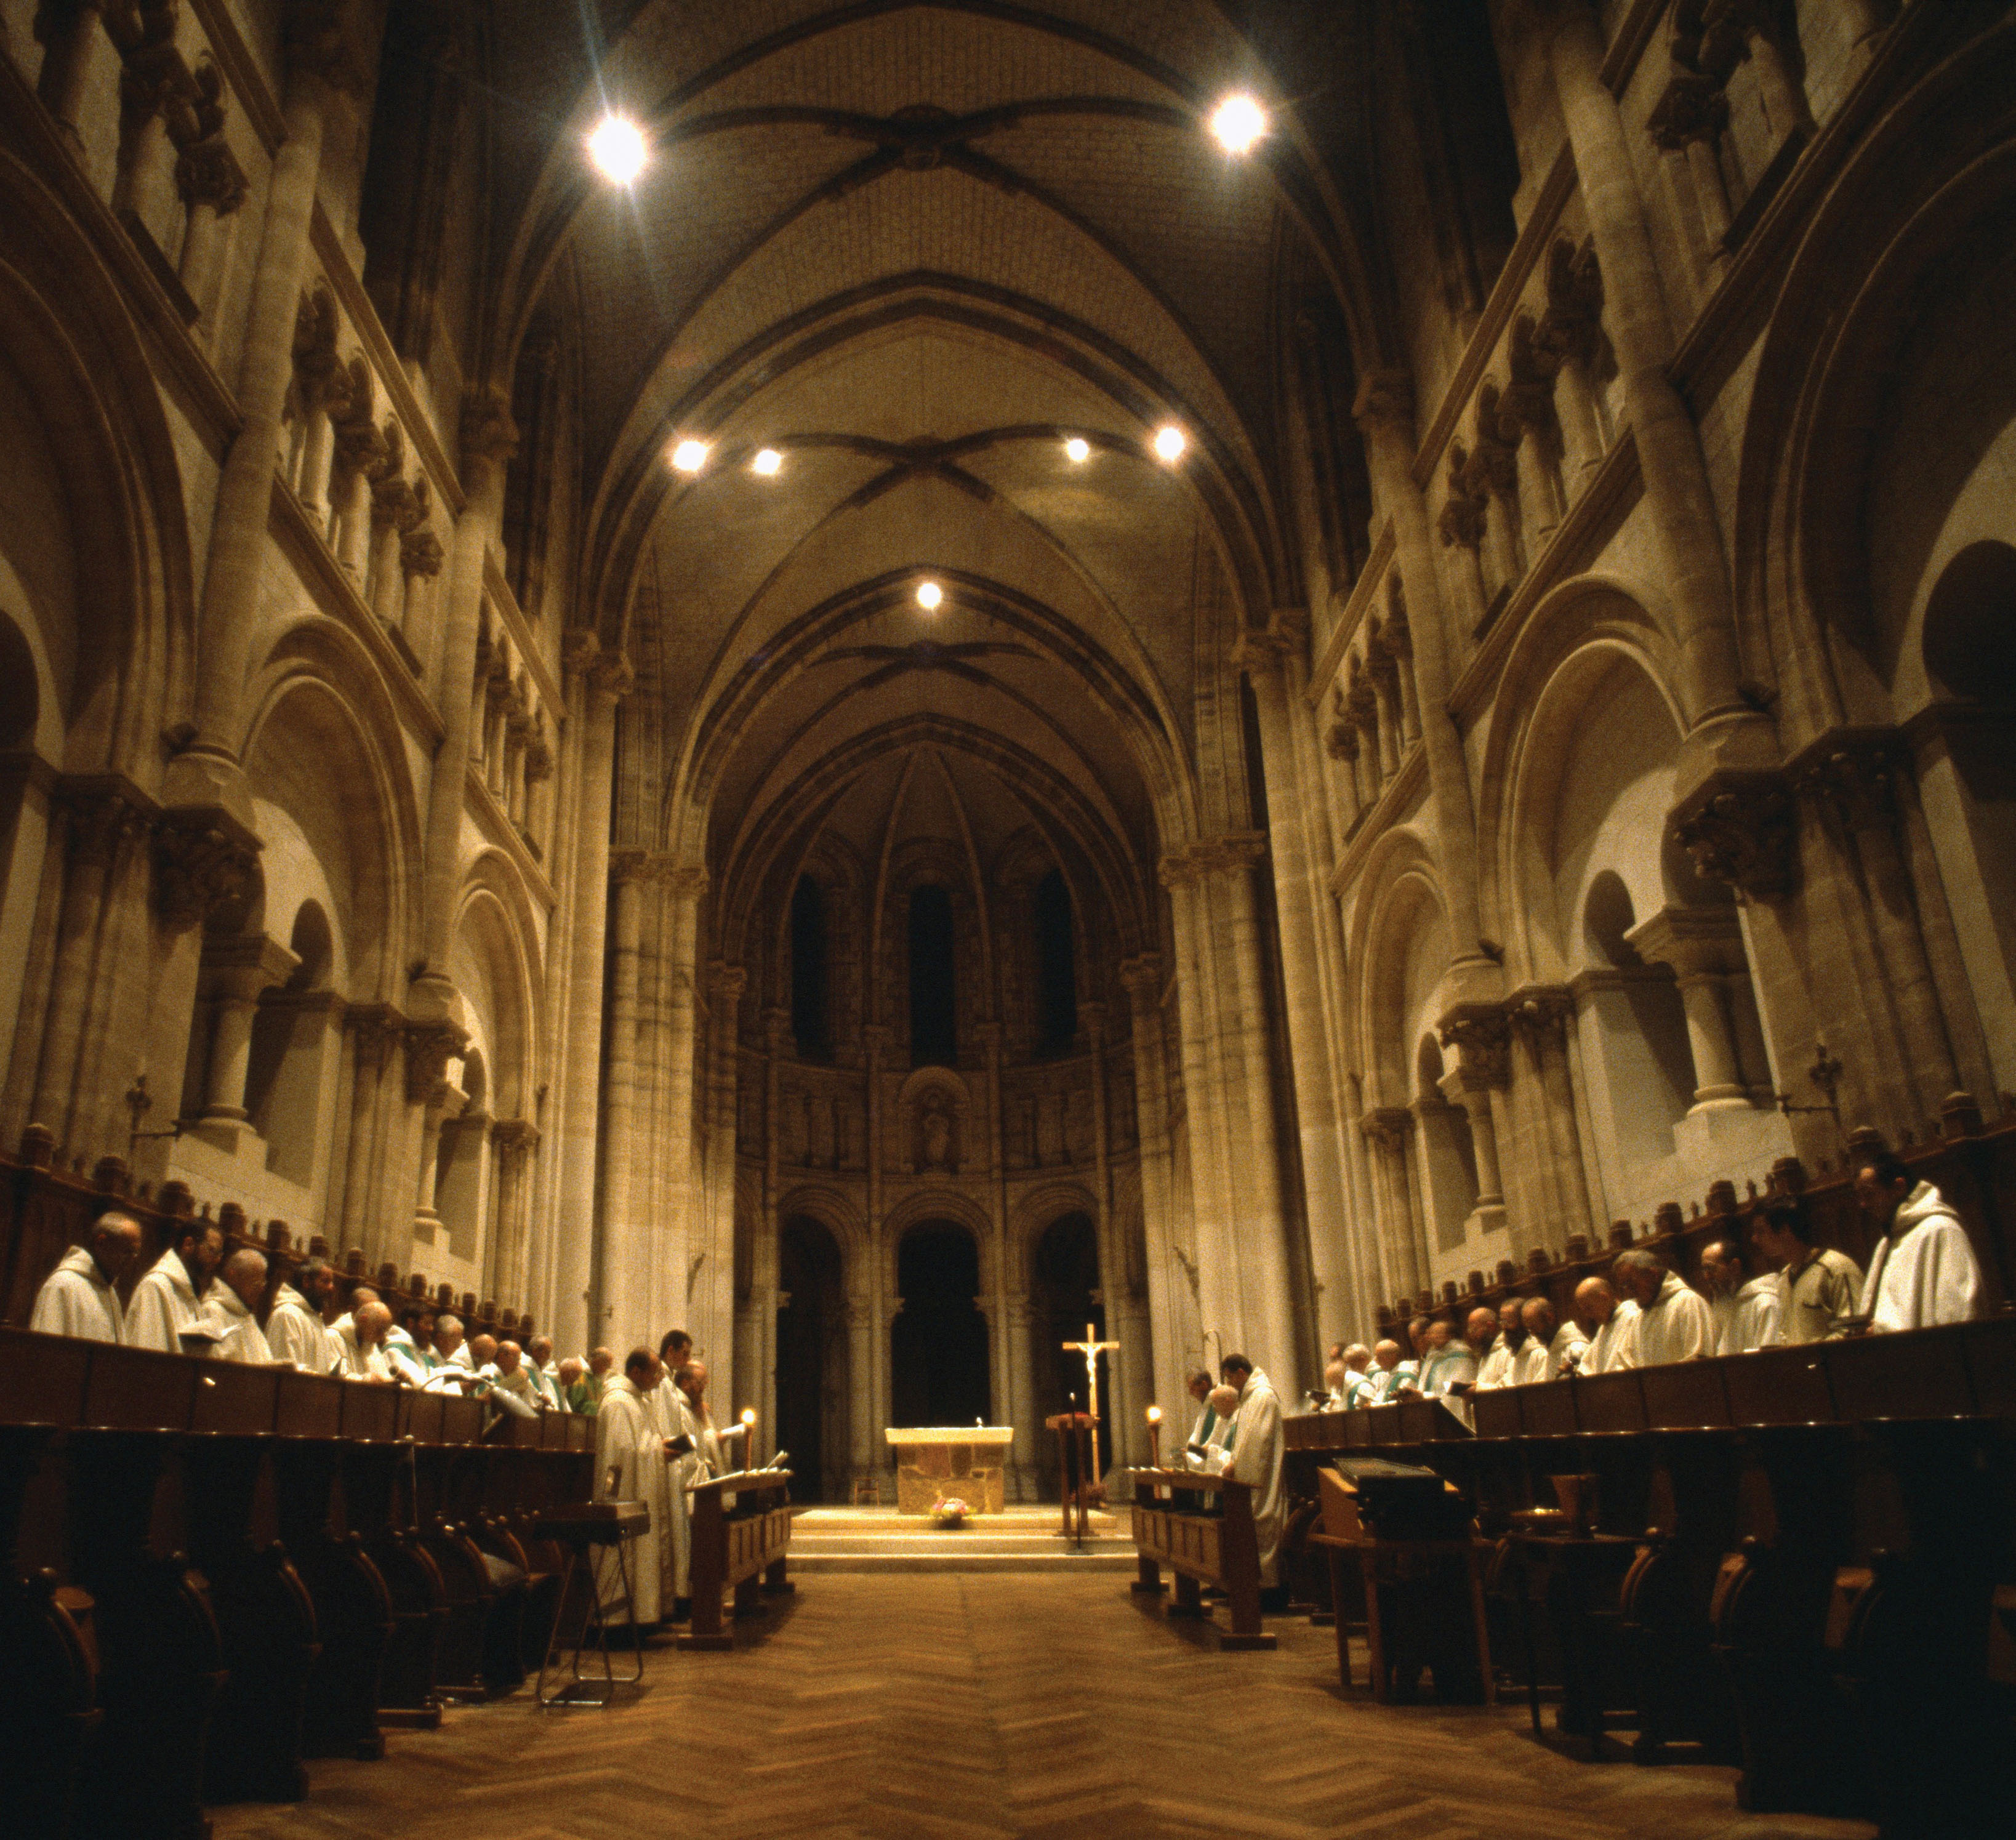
[949,1512]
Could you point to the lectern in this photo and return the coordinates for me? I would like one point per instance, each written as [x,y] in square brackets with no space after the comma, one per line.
[1078,1468]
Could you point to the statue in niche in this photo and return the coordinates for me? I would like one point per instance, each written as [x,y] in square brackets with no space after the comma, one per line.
[934,1137]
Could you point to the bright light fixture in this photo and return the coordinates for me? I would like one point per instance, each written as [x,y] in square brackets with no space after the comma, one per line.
[767,462]
[689,456]
[1078,450]
[1169,443]
[618,149]
[929,595]
[1238,123]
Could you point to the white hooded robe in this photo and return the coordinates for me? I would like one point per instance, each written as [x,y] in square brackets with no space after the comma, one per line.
[1256,1461]
[630,1466]
[1923,1271]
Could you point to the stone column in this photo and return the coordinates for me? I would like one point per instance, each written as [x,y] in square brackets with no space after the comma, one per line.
[1020,1334]
[685,886]
[1692,568]
[426,1220]
[725,984]
[151,84]
[373,1029]
[627,1301]
[325,76]
[1264,1251]
[1389,1133]
[864,1431]
[212,186]
[1696,943]
[511,1141]
[1314,1055]
[79,64]
[595,681]
[876,1038]
[1142,979]
[239,973]
[417,561]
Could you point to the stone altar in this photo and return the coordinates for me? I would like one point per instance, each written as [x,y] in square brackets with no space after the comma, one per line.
[934,1461]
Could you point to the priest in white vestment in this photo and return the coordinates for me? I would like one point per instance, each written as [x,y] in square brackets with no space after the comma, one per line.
[1256,1461]
[631,1464]
[1213,1427]
[1500,1366]
[295,1330]
[1608,1324]
[360,1335]
[1923,1271]
[1745,1308]
[169,1299]
[80,1297]
[1446,1363]
[1674,1321]
[1389,1372]
[230,1308]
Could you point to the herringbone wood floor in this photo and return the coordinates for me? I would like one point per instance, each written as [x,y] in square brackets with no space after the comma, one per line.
[976,1707]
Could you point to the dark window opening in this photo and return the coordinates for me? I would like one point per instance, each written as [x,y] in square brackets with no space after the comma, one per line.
[934,1015]
[1057,968]
[808,954]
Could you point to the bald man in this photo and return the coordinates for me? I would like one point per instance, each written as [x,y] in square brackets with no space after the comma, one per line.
[1608,1324]
[232,1308]
[362,1335]
[80,1297]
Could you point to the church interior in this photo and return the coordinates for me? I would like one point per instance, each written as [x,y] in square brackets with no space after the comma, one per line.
[1290,719]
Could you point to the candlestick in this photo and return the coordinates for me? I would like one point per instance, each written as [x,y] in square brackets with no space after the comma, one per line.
[1154,1437]
[749,1438]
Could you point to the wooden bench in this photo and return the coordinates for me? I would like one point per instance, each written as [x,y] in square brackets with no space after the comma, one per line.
[742,1548]
[1201,1547]
[226,1569]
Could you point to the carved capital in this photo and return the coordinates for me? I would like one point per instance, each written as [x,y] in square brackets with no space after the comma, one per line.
[611,676]
[514,1136]
[420,554]
[487,431]
[333,41]
[1385,399]
[1462,520]
[202,862]
[102,814]
[1693,108]
[429,1047]
[1390,1127]
[1539,1009]
[634,865]
[1853,776]
[208,172]
[1141,977]
[728,981]
[1481,1036]
[1741,828]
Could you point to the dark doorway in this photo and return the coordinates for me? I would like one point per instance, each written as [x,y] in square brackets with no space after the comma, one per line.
[812,1373]
[938,1341]
[1056,969]
[1064,1296]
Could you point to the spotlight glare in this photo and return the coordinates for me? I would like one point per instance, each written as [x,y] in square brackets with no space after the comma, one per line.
[1238,123]
[1169,443]
[689,456]
[929,595]
[1078,450]
[618,149]
[767,462]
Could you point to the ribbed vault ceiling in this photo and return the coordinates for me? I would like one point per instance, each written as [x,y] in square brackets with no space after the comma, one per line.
[914,247]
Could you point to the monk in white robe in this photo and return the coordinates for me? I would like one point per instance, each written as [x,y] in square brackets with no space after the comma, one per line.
[169,1299]
[631,1464]
[360,1335]
[80,1297]
[1446,1363]
[1608,1324]
[230,1309]
[1256,1461]
[1923,1271]
[1209,1433]
[1388,1373]
[1674,1321]
[295,1330]
[1745,1308]
[1499,1366]
[1552,1350]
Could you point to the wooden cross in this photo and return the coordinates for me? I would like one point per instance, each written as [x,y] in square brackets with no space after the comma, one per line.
[1092,1347]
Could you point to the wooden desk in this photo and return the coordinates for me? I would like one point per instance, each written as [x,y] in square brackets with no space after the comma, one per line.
[743,1548]
[1201,1547]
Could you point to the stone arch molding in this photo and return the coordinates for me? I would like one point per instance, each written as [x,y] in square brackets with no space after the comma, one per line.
[1400,881]
[63,324]
[831,1208]
[1038,1211]
[950,1205]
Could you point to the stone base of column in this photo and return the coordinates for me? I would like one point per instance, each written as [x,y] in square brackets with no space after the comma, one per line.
[1487,1217]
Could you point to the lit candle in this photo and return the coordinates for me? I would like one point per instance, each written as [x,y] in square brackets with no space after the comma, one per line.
[1154,1437]
[749,1437]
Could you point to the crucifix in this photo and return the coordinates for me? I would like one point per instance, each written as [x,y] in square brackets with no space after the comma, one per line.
[1078,1436]
[1092,1347]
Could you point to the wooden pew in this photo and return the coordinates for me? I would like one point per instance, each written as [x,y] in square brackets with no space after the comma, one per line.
[742,1548]
[1201,1548]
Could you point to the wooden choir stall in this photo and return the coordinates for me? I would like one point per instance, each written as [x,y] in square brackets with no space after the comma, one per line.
[741,1538]
[1201,1528]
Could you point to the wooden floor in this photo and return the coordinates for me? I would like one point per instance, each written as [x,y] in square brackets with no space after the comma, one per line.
[966,1708]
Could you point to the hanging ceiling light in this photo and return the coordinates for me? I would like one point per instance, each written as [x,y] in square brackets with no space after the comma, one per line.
[689,456]
[767,462]
[1078,450]
[929,595]
[617,149]
[1238,123]
[1169,443]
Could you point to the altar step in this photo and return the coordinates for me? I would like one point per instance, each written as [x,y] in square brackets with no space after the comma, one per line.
[877,1540]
